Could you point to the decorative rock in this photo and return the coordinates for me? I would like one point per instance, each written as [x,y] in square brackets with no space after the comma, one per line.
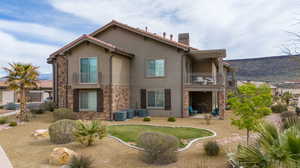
[40,133]
[61,156]
[65,166]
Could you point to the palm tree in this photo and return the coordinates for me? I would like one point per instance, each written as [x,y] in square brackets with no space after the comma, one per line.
[275,148]
[21,78]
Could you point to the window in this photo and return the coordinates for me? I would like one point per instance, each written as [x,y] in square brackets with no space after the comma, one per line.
[88,101]
[156,68]
[155,98]
[88,70]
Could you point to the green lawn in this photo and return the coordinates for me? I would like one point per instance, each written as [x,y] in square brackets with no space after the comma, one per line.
[130,133]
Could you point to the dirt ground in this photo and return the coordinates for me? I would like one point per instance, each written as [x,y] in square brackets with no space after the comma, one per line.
[26,152]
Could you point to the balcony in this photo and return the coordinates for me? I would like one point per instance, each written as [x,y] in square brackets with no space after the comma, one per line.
[87,78]
[201,79]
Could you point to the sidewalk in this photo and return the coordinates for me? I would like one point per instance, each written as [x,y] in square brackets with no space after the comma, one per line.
[5,163]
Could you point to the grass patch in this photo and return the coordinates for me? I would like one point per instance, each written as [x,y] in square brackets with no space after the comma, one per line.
[130,133]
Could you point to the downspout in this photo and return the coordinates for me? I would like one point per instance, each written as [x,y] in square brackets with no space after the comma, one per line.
[110,87]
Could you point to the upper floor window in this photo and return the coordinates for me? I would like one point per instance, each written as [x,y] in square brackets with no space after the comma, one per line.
[155,68]
[88,70]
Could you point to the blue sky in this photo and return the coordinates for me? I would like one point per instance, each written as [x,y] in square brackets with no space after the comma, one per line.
[30,30]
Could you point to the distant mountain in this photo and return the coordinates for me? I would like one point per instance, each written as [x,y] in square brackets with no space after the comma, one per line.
[275,68]
[45,77]
[41,77]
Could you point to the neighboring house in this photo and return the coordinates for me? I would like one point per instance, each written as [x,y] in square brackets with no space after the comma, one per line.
[119,67]
[37,95]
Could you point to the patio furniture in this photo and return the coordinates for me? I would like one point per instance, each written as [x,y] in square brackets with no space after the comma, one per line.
[215,112]
[192,111]
[142,112]
[120,116]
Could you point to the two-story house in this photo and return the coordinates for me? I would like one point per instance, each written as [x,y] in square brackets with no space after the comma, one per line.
[119,67]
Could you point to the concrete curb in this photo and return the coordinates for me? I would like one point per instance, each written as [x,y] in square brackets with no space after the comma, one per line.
[9,114]
[178,150]
[4,159]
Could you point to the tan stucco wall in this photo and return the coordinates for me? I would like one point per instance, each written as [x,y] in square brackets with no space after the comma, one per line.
[88,50]
[120,70]
[145,48]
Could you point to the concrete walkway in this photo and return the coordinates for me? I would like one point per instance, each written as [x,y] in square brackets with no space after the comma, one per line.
[4,161]
[9,113]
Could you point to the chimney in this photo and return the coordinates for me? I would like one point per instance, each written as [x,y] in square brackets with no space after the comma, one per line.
[164,34]
[171,36]
[184,38]
[146,28]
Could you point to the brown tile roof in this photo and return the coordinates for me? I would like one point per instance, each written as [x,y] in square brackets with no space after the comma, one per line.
[143,33]
[43,84]
[96,41]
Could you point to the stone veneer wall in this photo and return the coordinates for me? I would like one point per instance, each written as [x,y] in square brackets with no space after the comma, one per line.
[120,97]
[186,100]
[62,81]
[221,99]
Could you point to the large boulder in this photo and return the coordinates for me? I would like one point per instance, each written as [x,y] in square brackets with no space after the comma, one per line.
[61,156]
[40,133]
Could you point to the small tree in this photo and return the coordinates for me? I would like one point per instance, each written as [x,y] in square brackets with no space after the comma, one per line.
[249,105]
[286,97]
[21,78]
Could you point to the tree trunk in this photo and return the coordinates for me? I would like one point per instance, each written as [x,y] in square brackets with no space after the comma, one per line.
[22,116]
[248,133]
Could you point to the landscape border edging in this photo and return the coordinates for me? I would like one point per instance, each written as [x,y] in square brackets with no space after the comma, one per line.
[178,150]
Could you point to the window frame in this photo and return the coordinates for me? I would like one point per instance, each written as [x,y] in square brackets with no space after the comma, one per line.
[86,110]
[154,107]
[96,70]
[147,65]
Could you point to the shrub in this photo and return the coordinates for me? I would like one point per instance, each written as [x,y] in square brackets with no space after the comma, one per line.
[147,119]
[81,162]
[87,132]
[207,118]
[265,110]
[11,106]
[287,114]
[3,120]
[61,131]
[279,108]
[13,124]
[298,111]
[37,111]
[171,119]
[211,148]
[63,113]
[158,148]
[48,106]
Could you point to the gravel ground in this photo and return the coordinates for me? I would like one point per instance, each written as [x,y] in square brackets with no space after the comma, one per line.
[26,152]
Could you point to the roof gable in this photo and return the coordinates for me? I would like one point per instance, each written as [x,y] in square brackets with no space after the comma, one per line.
[142,33]
[93,40]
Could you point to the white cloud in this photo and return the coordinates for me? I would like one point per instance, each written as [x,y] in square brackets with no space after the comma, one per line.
[37,31]
[248,28]
[14,50]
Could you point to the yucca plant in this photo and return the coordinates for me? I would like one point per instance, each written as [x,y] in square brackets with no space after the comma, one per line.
[275,148]
[86,132]
[81,162]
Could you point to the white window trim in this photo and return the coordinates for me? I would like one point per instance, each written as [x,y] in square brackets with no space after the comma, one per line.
[153,107]
[153,76]
[83,110]
[97,66]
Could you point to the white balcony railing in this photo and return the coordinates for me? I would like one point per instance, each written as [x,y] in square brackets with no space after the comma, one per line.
[87,78]
[201,78]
